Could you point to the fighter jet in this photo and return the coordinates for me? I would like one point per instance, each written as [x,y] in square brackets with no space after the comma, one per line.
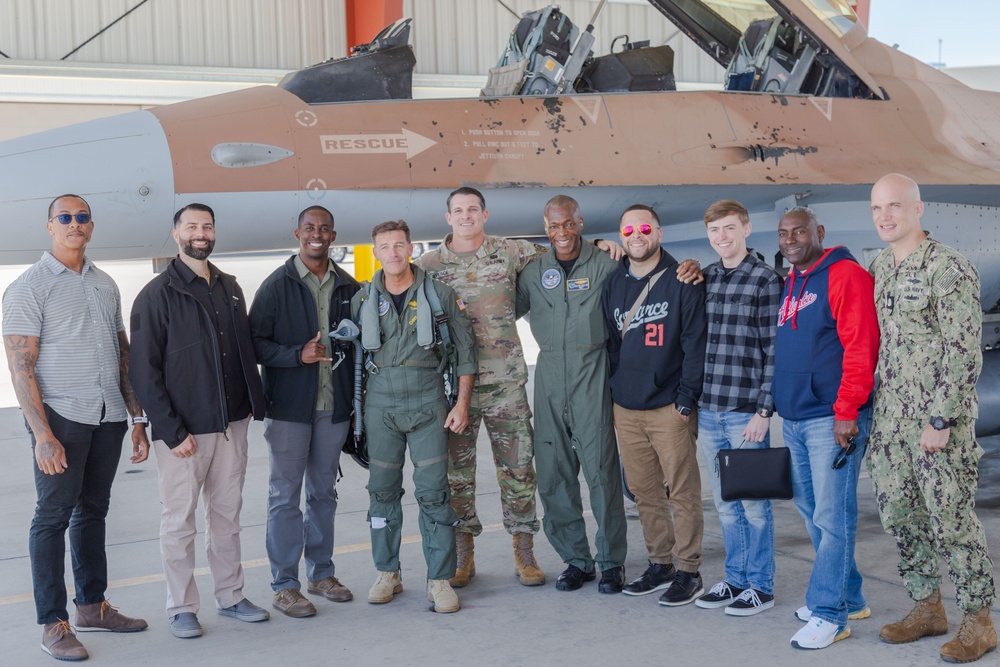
[812,111]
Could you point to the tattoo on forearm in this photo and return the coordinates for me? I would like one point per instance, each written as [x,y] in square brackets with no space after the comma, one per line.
[124,385]
[22,354]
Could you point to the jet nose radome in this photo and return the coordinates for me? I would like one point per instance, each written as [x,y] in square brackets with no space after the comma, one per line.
[121,165]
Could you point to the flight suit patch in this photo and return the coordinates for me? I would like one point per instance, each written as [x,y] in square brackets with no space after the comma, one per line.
[578,285]
[551,278]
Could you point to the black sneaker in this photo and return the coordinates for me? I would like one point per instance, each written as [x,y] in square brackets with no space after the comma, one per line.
[750,602]
[612,580]
[573,578]
[656,577]
[720,595]
[685,588]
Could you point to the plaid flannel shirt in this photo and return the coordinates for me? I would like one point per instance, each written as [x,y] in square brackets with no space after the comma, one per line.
[742,309]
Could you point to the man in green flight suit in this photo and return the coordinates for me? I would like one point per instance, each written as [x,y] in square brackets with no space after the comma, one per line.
[405,405]
[573,418]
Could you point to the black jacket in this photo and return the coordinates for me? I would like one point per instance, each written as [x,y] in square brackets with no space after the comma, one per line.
[282,319]
[175,365]
[661,359]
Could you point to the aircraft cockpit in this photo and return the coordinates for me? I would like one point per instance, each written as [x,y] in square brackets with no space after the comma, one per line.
[788,47]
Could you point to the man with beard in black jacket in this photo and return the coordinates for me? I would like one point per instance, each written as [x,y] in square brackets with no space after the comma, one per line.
[656,346]
[194,371]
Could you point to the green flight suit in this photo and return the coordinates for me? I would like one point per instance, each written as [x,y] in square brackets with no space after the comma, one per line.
[405,406]
[574,426]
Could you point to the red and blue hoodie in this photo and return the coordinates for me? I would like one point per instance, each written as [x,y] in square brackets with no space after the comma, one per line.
[827,341]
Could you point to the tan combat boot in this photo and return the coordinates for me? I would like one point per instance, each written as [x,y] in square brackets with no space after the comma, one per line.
[465,568]
[975,638]
[387,586]
[926,619]
[439,592]
[524,560]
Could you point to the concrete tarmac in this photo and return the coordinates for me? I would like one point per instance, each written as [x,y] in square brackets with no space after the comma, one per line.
[501,622]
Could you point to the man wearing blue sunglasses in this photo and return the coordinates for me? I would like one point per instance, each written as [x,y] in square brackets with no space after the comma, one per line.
[76,400]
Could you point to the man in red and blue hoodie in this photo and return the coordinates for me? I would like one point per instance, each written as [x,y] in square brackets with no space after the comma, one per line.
[825,353]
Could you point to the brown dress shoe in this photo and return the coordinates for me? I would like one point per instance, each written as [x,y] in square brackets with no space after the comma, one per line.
[59,641]
[331,589]
[102,617]
[926,619]
[975,638]
[290,602]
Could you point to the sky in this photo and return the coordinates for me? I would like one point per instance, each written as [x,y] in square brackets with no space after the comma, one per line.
[968,28]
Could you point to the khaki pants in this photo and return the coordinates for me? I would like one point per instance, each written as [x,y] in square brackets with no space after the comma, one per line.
[658,446]
[217,472]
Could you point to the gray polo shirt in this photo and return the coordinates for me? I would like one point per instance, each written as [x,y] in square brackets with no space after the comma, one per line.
[321,295]
[76,317]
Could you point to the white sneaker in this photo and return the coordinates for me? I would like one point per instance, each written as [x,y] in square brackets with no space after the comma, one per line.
[803,613]
[818,633]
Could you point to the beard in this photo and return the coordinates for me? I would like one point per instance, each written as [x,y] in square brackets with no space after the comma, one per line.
[197,253]
[641,257]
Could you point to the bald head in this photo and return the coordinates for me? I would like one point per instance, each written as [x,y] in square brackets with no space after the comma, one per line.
[896,211]
[898,183]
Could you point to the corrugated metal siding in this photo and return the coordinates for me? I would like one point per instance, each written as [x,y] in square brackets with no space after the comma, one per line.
[279,34]
[468,36]
[449,36]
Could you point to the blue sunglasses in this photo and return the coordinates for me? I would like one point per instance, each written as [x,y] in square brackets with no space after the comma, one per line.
[66,218]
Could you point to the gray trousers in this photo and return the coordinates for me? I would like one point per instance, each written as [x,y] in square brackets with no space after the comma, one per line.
[297,451]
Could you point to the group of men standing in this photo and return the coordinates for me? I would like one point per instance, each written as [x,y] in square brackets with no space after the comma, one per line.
[636,346]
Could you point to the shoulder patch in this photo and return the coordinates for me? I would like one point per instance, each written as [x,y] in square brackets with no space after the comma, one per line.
[946,280]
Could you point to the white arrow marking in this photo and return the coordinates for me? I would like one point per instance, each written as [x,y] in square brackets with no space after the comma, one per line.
[406,142]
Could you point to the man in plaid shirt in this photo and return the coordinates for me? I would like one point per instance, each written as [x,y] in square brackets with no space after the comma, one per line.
[743,296]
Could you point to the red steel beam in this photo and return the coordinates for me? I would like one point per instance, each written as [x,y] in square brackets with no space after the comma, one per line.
[365,18]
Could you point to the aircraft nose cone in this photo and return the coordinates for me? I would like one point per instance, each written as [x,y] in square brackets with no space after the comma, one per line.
[120,165]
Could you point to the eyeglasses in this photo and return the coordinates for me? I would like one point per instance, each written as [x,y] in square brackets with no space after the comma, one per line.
[840,460]
[66,218]
[643,229]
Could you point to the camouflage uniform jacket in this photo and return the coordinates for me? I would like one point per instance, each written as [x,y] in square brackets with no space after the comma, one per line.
[931,322]
[487,283]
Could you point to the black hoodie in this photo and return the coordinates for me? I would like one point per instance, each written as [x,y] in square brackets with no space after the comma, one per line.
[661,359]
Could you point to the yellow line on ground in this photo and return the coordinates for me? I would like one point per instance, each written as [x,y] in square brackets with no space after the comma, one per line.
[247,564]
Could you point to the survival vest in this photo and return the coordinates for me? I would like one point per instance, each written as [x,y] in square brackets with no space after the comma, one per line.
[432,331]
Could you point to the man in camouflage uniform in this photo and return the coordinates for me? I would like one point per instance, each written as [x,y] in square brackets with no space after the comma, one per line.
[923,454]
[483,270]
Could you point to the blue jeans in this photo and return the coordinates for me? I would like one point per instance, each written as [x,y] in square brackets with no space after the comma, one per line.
[747,525]
[828,501]
[78,500]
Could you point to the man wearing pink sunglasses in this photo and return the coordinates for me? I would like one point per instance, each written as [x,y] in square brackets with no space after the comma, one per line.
[656,346]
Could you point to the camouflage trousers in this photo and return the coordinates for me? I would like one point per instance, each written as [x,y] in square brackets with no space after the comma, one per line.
[927,502]
[504,409]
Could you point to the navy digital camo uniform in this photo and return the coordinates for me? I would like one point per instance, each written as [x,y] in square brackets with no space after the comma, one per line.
[929,361]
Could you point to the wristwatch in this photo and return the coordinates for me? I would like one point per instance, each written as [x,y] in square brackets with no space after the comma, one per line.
[140,420]
[765,413]
[684,412]
[940,423]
